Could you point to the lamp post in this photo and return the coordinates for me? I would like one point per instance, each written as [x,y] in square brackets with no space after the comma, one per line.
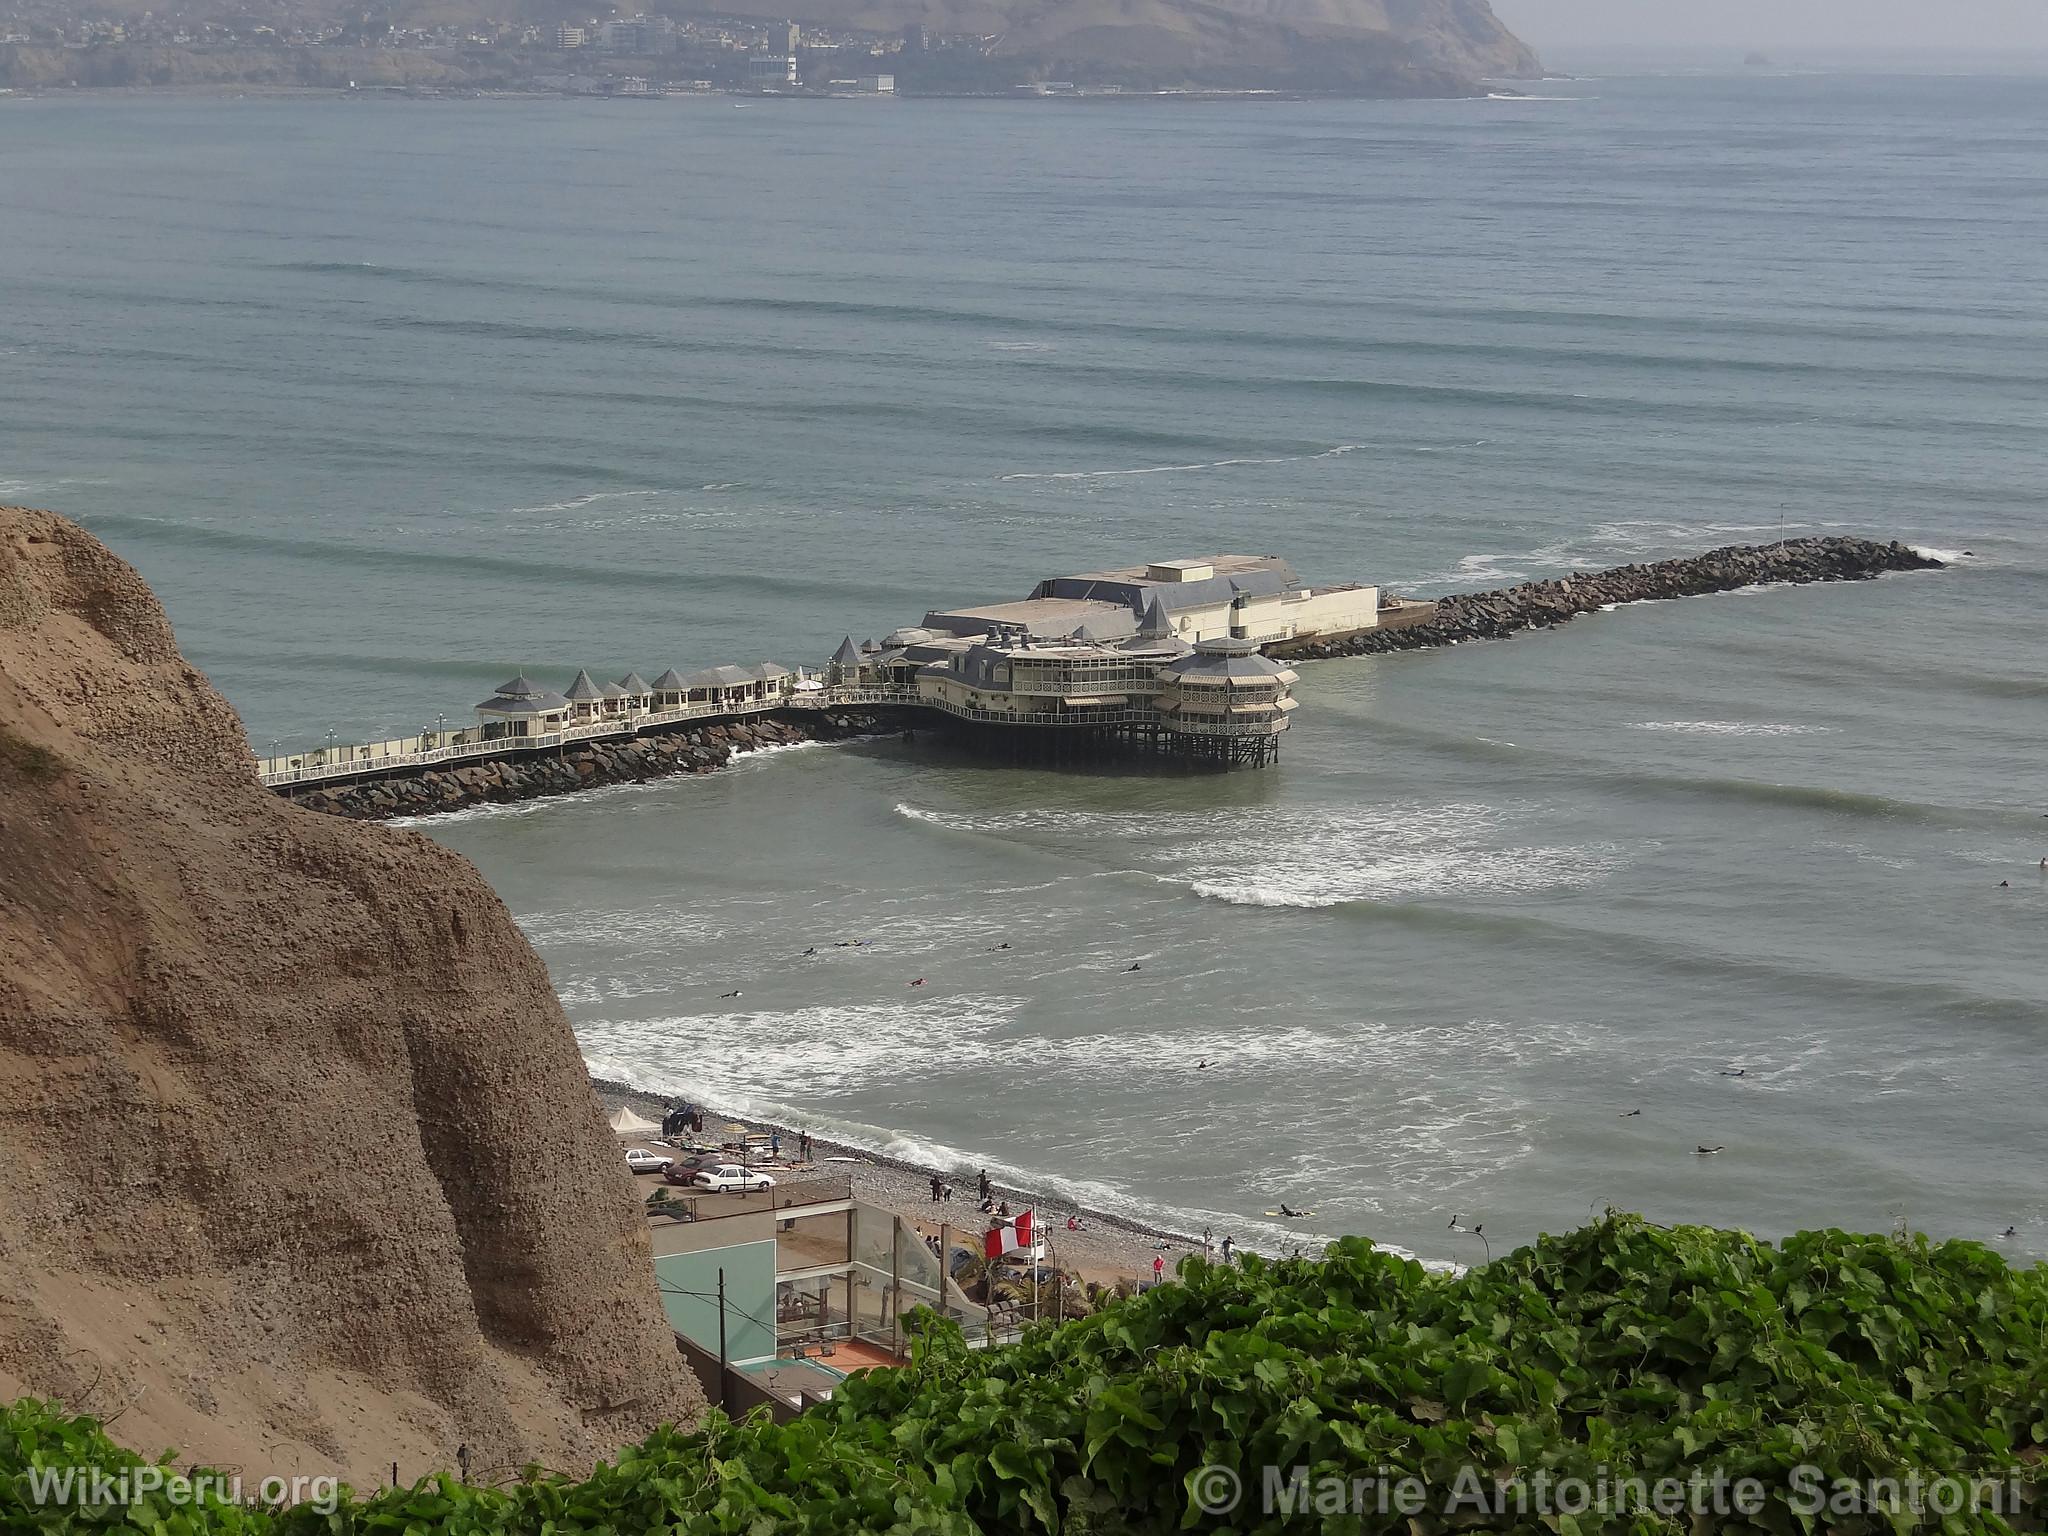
[328,755]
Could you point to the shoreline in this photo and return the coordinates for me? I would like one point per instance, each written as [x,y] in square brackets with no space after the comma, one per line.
[1109,1247]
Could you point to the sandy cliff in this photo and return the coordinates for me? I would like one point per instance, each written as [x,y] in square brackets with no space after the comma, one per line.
[303,1169]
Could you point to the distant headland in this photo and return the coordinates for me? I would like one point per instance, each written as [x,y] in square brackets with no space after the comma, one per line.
[878,48]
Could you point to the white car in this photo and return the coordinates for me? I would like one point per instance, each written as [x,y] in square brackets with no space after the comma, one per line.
[731,1176]
[642,1161]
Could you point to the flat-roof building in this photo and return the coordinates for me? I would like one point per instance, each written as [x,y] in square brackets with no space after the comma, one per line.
[1202,599]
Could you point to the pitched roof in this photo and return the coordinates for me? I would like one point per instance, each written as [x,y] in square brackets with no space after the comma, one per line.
[1249,668]
[720,677]
[1153,623]
[584,690]
[846,655]
[766,671]
[670,681]
[632,682]
[613,693]
[541,703]
[521,687]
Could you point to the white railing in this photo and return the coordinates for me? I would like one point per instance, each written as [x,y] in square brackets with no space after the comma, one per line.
[1270,726]
[326,764]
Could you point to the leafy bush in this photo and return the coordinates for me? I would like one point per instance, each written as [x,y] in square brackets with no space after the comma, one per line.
[1623,1350]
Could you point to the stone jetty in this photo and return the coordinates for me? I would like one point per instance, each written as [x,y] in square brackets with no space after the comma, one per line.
[1544,604]
[589,765]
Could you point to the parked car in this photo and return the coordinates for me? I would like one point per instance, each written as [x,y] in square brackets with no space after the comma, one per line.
[683,1170]
[642,1161]
[731,1176]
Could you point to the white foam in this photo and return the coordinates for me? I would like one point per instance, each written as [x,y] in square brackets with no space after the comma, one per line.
[574,503]
[1175,469]
[1945,556]
[1732,727]
[1306,857]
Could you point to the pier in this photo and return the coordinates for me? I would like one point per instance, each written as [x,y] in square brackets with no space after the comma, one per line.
[1162,660]
[1183,661]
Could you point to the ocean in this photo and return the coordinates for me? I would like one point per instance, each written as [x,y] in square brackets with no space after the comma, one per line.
[390,400]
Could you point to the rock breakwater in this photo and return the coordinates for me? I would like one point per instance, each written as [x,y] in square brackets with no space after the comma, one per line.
[1543,604]
[587,765]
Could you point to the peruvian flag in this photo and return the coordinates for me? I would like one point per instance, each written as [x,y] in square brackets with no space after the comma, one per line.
[1008,1237]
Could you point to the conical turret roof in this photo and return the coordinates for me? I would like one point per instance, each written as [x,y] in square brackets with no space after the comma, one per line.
[584,690]
[670,681]
[847,655]
[632,682]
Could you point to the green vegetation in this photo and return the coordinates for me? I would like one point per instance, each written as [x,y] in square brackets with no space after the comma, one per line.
[1622,1350]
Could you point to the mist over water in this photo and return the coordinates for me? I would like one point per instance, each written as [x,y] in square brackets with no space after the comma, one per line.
[391,400]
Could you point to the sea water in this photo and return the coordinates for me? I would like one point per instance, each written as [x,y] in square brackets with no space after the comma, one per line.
[390,400]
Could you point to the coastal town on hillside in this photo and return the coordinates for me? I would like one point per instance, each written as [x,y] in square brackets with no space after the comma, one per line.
[620,55]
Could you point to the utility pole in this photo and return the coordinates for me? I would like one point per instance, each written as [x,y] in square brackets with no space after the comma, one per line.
[721,1337]
[896,1286]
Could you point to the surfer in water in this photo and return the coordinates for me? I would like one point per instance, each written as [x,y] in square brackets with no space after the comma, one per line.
[1288,1210]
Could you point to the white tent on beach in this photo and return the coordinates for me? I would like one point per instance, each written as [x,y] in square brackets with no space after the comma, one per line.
[625,1123]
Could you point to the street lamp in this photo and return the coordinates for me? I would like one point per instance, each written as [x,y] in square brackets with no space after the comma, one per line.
[329,754]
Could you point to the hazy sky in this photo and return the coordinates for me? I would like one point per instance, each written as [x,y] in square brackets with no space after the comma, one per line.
[1971,25]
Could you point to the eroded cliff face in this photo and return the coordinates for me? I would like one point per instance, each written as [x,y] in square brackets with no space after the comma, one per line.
[304,1172]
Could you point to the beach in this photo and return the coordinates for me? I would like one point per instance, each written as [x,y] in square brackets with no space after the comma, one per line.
[1105,1250]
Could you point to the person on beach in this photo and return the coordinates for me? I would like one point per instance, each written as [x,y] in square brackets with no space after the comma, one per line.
[1158,1268]
[938,1190]
[775,1145]
[1208,1241]
[803,1146]
[1228,1250]
[983,1186]
[1003,1210]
